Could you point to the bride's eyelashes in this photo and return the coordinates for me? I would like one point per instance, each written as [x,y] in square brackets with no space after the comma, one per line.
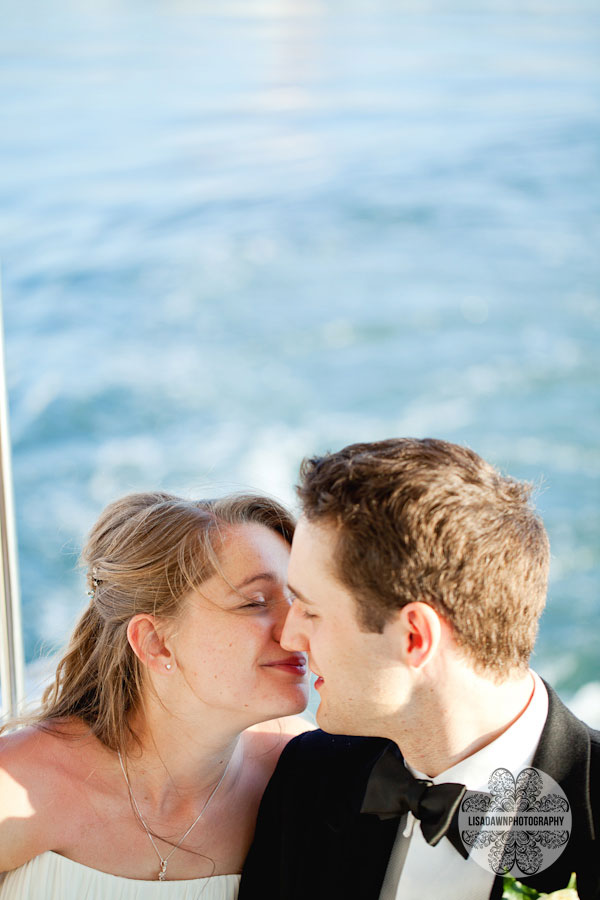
[264,601]
[259,602]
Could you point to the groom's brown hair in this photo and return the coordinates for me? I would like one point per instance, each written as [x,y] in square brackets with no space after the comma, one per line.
[427,520]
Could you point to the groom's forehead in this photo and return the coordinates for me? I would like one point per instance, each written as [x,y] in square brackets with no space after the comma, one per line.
[313,573]
[316,541]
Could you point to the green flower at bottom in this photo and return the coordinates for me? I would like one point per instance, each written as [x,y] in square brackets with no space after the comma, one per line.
[515,890]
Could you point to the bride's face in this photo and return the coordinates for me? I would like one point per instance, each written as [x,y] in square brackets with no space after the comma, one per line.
[226,646]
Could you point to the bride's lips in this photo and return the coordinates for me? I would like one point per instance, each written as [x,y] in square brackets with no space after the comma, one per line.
[295,665]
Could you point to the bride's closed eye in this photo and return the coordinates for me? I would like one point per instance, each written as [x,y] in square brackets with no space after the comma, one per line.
[261,601]
[258,602]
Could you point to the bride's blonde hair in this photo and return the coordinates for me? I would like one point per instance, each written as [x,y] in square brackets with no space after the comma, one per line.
[143,555]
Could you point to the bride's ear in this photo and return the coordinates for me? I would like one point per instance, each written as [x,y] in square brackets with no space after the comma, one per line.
[148,643]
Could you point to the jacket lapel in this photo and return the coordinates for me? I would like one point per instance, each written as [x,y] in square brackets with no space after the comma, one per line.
[564,753]
[359,845]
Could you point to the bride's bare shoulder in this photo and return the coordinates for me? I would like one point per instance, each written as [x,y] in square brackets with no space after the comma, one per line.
[35,785]
[24,756]
[37,752]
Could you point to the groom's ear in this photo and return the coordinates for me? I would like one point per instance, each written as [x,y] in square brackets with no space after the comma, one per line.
[420,630]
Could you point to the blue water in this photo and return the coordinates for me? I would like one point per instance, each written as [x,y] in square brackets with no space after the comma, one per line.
[233,234]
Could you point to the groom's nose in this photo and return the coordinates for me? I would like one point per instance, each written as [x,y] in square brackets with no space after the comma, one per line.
[292,636]
[280,611]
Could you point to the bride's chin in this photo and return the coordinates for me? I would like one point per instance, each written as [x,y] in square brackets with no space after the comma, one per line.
[297,701]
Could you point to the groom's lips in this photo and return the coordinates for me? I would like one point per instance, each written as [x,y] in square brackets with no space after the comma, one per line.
[319,680]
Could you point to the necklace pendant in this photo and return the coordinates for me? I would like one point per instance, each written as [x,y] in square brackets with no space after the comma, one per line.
[162,875]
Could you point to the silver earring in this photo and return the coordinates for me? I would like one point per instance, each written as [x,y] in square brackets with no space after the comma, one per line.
[168,666]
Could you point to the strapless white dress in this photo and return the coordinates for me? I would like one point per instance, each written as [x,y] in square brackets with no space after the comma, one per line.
[50,876]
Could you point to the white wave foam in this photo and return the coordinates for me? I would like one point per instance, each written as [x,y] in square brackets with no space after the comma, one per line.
[586,703]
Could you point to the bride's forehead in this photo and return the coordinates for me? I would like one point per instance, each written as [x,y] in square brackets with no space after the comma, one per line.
[247,544]
[247,556]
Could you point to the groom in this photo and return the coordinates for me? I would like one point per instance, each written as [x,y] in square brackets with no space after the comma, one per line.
[419,574]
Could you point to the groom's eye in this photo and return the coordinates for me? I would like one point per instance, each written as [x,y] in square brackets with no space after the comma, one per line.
[307,615]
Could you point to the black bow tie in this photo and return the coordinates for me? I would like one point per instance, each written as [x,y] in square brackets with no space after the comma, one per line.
[393,791]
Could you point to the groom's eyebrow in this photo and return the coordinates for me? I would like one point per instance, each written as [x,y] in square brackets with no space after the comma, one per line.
[300,595]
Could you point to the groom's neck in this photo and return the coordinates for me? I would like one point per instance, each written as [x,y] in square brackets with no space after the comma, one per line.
[458,716]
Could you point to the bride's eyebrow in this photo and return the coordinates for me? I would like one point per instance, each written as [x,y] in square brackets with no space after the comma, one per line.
[262,576]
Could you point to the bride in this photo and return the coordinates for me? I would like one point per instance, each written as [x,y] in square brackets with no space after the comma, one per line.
[151,751]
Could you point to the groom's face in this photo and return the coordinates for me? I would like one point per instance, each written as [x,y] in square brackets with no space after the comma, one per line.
[360,680]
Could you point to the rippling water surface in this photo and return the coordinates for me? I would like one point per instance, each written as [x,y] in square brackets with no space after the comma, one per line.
[234,234]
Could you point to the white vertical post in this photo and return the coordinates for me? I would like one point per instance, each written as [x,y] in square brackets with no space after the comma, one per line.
[11,640]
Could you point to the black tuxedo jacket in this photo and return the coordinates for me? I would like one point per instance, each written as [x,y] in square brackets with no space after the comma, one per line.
[312,842]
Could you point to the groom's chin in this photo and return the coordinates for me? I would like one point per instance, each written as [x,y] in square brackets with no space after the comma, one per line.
[333,724]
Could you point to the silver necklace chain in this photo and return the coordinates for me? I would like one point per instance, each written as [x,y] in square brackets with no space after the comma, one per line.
[162,873]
